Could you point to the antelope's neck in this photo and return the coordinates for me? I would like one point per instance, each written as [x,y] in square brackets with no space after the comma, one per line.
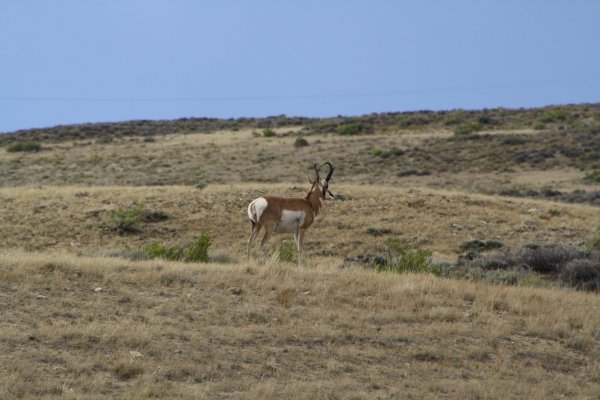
[316,201]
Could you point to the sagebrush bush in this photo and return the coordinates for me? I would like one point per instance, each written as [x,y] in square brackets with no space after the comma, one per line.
[350,129]
[411,121]
[549,259]
[467,129]
[593,177]
[26,146]
[496,276]
[498,260]
[593,242]
[582,274]
[126,219]
[454,118]
[552,115]
[300,142]
[268,132]
[487,119]
[578,268]
[513,140]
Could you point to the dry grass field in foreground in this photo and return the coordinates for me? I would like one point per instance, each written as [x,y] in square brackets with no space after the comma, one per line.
[83,327]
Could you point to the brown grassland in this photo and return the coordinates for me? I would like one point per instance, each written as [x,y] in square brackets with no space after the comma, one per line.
[82,319]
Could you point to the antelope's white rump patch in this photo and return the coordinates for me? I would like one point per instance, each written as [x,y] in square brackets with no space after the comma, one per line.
[256,208]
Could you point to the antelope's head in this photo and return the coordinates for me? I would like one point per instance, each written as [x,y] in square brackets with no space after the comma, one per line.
[322,185]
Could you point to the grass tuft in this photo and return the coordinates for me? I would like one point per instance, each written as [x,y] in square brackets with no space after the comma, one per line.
[286,252]
[197,251]
[127,370]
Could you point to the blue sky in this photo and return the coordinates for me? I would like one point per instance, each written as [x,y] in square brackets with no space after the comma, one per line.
[73,61]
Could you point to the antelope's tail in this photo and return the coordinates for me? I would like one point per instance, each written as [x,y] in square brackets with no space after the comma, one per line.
[256,208]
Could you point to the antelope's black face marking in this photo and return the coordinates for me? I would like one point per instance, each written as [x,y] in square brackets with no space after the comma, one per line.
[326,193]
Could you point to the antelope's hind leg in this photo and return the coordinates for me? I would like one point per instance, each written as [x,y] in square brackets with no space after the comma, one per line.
[268,232]
[255,229]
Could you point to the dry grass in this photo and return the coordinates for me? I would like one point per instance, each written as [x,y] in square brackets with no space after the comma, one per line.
[74,218]
[78,327]
[391,158]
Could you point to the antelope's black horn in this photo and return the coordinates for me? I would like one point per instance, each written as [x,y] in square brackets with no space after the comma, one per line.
[330,171]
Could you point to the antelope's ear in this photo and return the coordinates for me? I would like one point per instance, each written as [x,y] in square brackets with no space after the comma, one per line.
[310,180]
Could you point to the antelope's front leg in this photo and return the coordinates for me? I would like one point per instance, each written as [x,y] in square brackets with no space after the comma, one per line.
[299,236]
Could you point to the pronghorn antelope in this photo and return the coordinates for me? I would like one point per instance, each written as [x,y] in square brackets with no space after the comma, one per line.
[289,215]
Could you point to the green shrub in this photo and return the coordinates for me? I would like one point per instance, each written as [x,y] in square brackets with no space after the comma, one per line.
[408,122]
[350,129]
[513,140]
[195,252]
[547,191]
[300,142]
[26,146]
[268,132]
[387,153]
[554,115]
[467,129]
[198,251]
[454,118]
[402,258]
[486,119]
[286,252]
[593,243]
[593,176]
[126,220]
[159,250]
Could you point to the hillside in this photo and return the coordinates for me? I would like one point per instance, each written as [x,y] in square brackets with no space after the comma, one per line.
[500,118]
[490,217]
[507,152]
[86,328]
